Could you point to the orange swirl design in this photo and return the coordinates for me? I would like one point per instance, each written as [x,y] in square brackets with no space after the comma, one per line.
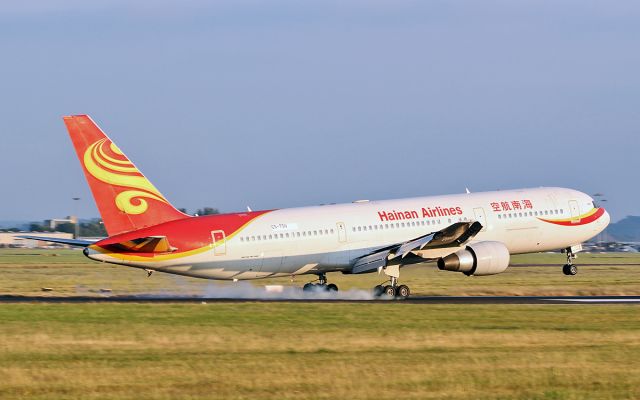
[120,172]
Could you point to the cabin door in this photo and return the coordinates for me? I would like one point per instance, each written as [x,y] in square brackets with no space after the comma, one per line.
[342,232]
[219,243]
[480,216]
[575,210]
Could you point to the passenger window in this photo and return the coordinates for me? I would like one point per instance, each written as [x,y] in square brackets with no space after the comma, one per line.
[332,231]
[397,224]
[359,229]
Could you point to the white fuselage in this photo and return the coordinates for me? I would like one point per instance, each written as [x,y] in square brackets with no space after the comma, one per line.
[330,237]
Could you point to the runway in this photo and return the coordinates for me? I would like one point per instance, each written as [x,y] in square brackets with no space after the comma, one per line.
[426,300]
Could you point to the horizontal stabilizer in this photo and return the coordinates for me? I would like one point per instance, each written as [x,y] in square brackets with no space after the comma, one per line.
[149,244]
[69,242]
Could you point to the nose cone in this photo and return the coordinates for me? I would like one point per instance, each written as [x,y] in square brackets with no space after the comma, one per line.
[602,222]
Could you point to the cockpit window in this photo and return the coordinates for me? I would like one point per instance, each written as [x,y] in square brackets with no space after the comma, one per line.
[595,205]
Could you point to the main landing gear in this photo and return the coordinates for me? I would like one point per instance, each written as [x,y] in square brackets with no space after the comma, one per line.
[321,286]
[393,290]
[569,268]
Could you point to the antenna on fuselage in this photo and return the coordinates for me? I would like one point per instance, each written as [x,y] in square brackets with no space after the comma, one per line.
[467,190]
[249,209]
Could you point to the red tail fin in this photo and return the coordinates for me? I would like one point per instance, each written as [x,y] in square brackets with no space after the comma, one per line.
[126,199]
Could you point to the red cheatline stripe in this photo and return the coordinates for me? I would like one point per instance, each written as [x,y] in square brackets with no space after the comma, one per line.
[577,222]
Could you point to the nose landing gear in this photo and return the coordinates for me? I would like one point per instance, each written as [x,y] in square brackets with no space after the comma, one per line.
[569,268]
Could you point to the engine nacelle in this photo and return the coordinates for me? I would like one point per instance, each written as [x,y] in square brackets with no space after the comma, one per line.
[482,258]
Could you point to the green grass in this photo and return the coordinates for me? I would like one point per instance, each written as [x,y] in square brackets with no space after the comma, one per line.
[68,272]
[318,351]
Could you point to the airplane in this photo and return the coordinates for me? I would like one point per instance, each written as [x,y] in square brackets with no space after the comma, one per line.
[471,233]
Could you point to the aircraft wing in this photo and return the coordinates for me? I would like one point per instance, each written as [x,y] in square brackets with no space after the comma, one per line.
[69,242]
[452,236]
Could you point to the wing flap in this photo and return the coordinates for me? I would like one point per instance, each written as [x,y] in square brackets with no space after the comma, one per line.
[371,262]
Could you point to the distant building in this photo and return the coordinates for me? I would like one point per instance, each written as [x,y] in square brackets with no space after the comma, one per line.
[53,223]
[11,239]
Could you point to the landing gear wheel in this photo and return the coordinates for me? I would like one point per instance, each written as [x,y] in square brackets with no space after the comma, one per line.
[378,290]
[332,287]
[403,291]
[308,287]
[569,269]
[390,291]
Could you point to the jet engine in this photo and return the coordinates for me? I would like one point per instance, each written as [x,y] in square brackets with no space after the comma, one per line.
[482,258]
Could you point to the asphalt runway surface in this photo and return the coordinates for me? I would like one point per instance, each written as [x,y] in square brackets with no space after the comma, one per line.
[8,299]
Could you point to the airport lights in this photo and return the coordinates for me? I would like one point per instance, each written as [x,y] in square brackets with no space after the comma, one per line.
[76,234]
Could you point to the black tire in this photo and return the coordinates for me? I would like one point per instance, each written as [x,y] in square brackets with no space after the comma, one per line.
[403,291]
[378,290]
[573,269]
[390,291]
[332,287]
[308,287]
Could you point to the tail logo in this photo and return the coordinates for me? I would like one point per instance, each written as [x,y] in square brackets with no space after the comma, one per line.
[108,164]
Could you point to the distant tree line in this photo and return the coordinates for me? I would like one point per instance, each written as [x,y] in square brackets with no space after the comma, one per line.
[92,228]
[202,211]
[95,227]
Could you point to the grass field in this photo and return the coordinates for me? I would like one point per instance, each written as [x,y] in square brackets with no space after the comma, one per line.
[318,350]
[68,272]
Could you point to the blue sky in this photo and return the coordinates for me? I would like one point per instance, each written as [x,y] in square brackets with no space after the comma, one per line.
[285,103]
